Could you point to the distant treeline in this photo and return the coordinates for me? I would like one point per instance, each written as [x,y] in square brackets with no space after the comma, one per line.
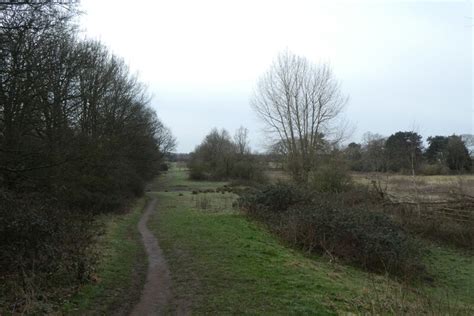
[404,152]
[77,138]
[401,152]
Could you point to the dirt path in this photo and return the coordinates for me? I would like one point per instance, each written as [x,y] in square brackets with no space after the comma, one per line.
[156,292]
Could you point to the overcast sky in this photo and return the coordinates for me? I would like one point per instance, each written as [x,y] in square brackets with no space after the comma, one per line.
[403,64]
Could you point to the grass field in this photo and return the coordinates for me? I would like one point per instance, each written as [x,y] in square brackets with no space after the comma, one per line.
[430,188]
[405,187]
[121,270]
[223,263]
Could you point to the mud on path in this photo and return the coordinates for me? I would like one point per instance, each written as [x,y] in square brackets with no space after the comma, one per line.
[157,290]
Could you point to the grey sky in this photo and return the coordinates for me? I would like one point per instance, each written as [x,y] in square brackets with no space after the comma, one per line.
[403,64]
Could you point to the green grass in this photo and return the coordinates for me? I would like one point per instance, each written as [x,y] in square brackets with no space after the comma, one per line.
[121,270]
[176,179]
[223,263]
[453,273]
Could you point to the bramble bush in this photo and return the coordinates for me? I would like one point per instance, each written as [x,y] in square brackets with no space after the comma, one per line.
[335,225]
[331,175]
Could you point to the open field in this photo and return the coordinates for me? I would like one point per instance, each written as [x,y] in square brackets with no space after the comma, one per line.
[446,191]
[405,187]
[98,212]
[440,208]
[222,262]
[427,188]
[176,180]
[444,197]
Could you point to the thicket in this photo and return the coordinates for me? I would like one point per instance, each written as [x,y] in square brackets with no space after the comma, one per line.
[340,225]
[331,174]
[77,138]
[219,157]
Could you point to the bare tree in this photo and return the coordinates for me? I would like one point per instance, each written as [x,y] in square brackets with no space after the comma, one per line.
[299,102]
[165,140]
[241,140]
[374,157]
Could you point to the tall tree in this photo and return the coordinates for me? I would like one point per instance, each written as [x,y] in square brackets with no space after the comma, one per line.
[404,151]
[353,153]
[457,157]
[72,118]
[450,151]
[241,140]
[436,151]
[77,137]
[299,102]
[374,157]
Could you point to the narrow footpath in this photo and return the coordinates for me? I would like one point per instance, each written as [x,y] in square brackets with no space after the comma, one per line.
[156,292]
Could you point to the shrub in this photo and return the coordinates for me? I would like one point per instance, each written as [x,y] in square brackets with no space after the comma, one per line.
[164,167]
[275,198]
[44,246]
[458,234]
[331,176]
[417,220]
[358,236]
[197,172]
[247,170]
[323,223]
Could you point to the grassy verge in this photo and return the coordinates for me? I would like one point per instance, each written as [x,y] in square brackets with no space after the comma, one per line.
[121,271]
[221,262]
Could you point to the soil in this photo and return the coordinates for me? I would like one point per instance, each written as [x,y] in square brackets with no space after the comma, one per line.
[156,293]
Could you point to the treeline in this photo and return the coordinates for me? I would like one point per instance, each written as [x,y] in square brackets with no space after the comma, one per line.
[77,138]
[404,152]
[221,157]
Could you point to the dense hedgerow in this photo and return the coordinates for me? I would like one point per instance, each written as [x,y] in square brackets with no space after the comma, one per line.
[77,138]
[44,245]
[327,223]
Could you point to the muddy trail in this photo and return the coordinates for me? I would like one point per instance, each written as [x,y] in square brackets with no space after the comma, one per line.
[156,292]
